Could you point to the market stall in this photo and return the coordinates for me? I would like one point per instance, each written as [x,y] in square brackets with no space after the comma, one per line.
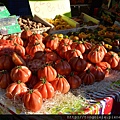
[58,64]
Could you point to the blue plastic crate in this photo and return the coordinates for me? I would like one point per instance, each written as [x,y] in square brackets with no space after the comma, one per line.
[19,7]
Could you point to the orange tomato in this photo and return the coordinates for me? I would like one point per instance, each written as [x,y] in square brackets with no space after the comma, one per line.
[32,100]
[21,73]
[45,88]
[47,72]
[4,79]
[16,90]
[61,84]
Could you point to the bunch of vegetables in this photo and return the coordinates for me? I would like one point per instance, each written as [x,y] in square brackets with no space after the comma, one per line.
[59,23]
[109,36]
[34,66]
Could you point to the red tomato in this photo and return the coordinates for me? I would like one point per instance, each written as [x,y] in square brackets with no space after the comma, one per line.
[15,39]
[16,90]
[21,73]
[87,77]
[6,62]
[35,37]
[61,49]
[53,43]
[78,64]
[31,49]
[74,80]
[112,58]
[25,34]
[35,64]
[33,81]
[105,66]
[79,46]
[33,100]
[19,49]
[47,72]
[17,59]
[62,67]
[61,84]
[5,79]
[73,53]
[45,88]
[98,73]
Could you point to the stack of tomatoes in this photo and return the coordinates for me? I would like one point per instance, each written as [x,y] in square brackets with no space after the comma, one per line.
[34,66]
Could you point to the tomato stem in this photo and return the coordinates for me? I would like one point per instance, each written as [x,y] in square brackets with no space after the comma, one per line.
[19,81]
[72,74]
[82,40]
[112,55]
[108,69]
[31,91]
[62,60]
[43,80]
[60,76]
[3,71]
[19,67]
[79,42]
[15,44]
[88,71]
[97,49]
[47,64]
[34,33]
[26,28]
[74,50]
[76,41]
[96,67]
[37,43]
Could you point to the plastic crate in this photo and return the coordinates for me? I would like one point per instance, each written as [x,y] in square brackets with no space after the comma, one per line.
[19,7]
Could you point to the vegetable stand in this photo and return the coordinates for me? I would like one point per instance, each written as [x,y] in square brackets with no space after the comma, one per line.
[75,72]
[95,96]
[91,97]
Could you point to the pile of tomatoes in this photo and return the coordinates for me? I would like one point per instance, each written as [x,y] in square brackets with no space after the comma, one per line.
[34,66]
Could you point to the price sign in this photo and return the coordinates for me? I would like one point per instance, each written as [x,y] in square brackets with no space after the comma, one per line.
[9,25]
[50,8]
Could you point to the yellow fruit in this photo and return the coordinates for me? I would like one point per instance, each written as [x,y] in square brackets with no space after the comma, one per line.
[64,23]
[56,19]
[68,27]
[60,36]
[56,23]
[107,46]
[75,38]
[58,27]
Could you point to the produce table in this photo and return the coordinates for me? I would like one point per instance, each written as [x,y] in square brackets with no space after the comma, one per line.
[99,103]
